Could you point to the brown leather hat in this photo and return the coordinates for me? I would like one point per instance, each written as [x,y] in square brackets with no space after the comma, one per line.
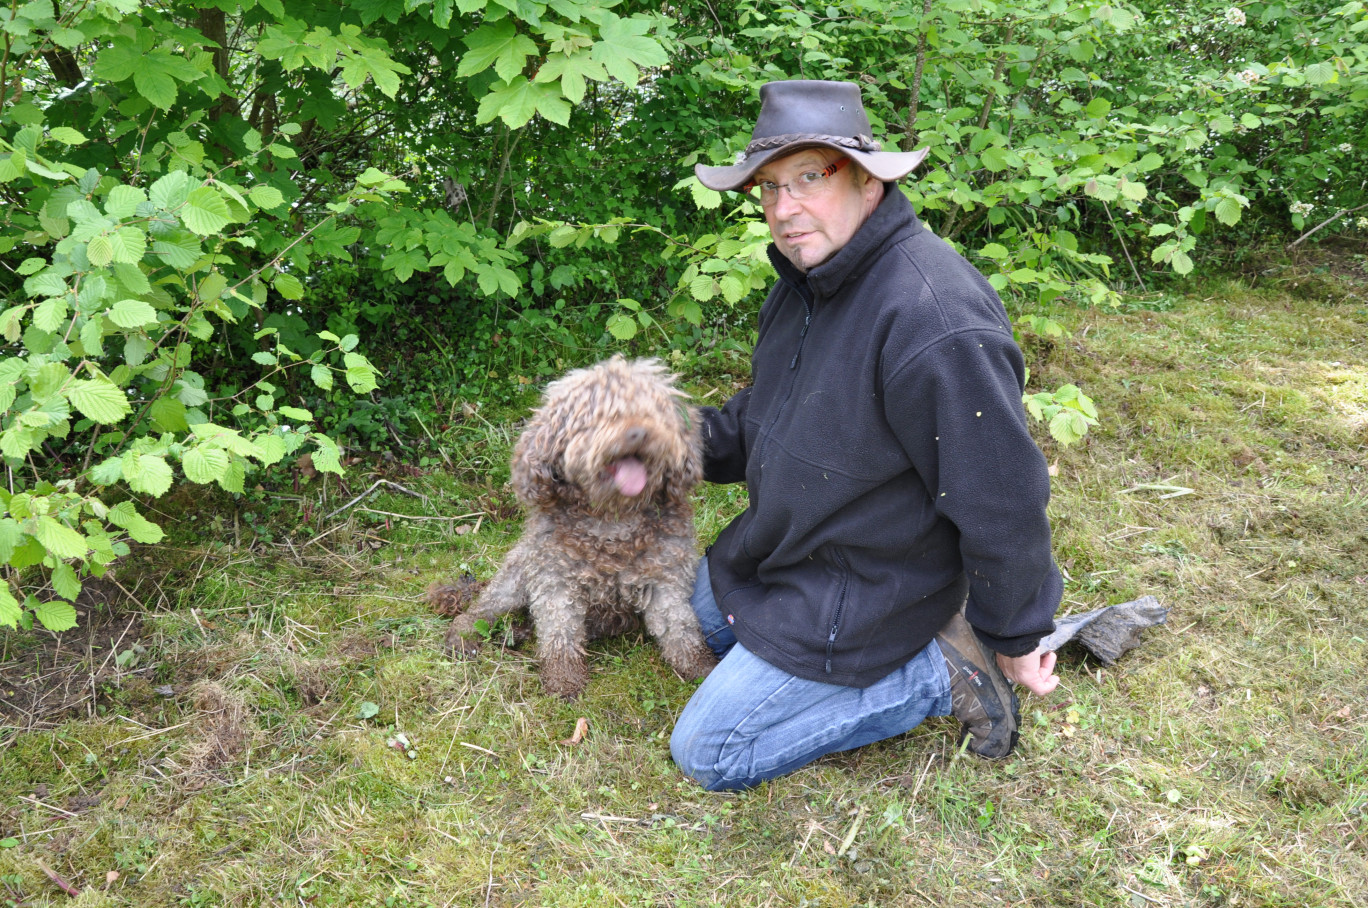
[805,114]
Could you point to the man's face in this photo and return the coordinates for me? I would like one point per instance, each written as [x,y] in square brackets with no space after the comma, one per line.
[809,231]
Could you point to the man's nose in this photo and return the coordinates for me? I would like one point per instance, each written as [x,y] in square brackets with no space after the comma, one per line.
[785,204]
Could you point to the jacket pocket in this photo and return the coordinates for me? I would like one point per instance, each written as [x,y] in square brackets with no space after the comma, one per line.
[834,627]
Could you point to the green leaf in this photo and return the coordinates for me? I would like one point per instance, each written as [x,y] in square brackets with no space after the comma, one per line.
[10,537]
[498,45]
[171,191]
[572,72]
[59,539]
[139,528]
[205,464]
[295,413]
[1098,107]
[123,201]
[99,399]
[622,326]
[107,472]
[1321,73]
[156,85]
[56,615]
[180,252]
[995,251]
[128,244]
[205,212]
[1180,262]
[995,158]
[266,197]
[703,288]
[288,286]
[168,415]
[1068,426]
[1228,212]
[360,373]
[327,458]
[147,473]
[273,448]
[67,136]
[516,102]
[100,251]
[623,46]
[10,613]
[65,582]
[322,376]
[132,314]
[368,710]
[50,314]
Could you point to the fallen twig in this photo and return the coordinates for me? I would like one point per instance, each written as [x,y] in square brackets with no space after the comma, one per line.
[421,517]
[1171,491]
[58,881]
[375,485]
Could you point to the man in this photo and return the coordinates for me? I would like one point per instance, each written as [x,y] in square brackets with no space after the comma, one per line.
[894,561]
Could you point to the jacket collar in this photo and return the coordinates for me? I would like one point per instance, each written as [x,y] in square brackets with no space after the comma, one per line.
[893,216]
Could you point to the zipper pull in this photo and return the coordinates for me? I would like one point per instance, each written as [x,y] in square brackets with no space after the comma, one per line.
[807,320]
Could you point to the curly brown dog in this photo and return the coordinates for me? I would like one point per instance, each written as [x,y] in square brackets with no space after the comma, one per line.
[604,469]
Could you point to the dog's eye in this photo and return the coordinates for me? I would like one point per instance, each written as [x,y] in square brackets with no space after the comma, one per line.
[556,475]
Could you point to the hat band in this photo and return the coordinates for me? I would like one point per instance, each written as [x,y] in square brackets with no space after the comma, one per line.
[859,143]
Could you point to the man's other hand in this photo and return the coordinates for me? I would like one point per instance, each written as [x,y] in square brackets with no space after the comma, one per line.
[1033,671]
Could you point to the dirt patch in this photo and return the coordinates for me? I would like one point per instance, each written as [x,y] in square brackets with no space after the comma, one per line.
[46,677]
[223,728]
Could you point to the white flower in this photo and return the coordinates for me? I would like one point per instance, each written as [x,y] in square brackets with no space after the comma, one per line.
[1248,76]
[1346,147]
[1301,208]
[1362,223]
[1235,16]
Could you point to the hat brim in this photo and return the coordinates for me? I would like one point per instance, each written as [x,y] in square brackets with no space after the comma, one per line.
[886,166]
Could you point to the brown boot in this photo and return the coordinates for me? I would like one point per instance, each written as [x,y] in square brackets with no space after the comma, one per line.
[981,698]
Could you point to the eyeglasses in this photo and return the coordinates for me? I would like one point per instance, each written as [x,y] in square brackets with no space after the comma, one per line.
[806,185]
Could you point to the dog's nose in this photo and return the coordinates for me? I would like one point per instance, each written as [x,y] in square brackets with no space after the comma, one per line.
[635,435]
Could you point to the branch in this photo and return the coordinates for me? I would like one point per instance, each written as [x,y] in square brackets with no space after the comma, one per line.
[1138,279]
[910,136]
[1325,223]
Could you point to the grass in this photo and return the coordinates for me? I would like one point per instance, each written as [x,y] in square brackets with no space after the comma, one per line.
[1221,763]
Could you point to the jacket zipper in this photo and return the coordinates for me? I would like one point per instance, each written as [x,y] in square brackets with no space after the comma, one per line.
[840,606]
[807,320]
[760,452]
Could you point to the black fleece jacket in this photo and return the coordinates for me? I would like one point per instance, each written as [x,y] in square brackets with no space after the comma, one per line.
[889,468]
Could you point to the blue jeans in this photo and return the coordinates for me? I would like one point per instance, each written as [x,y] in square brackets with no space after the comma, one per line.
[750,721]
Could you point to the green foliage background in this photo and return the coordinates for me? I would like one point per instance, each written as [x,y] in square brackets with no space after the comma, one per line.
[234,233]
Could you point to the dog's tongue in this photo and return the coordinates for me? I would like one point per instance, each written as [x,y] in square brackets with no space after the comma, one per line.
[629,475]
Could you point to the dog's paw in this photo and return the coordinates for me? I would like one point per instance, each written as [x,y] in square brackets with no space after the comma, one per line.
[450,599]
[693,662]
[564,677]
[698,667]
[461,641]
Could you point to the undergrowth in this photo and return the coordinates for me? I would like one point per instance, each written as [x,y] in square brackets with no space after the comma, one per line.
[282,725]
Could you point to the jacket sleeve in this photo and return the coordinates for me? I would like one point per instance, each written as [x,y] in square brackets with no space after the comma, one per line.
[956,407]
[724,439]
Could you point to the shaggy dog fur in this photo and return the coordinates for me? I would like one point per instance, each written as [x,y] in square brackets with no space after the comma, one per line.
[604,469]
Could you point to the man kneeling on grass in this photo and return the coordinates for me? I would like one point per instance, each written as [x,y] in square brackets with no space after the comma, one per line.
[894,562]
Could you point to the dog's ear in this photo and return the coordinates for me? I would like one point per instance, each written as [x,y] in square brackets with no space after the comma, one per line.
[537,462]
[683,476]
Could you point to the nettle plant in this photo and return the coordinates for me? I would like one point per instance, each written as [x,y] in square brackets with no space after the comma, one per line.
[123,275]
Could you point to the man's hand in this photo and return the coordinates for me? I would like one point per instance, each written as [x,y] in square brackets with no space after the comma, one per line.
[1033,671]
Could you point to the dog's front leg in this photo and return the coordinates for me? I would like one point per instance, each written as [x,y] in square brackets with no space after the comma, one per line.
[559,615]
[506,593]
[672,622]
